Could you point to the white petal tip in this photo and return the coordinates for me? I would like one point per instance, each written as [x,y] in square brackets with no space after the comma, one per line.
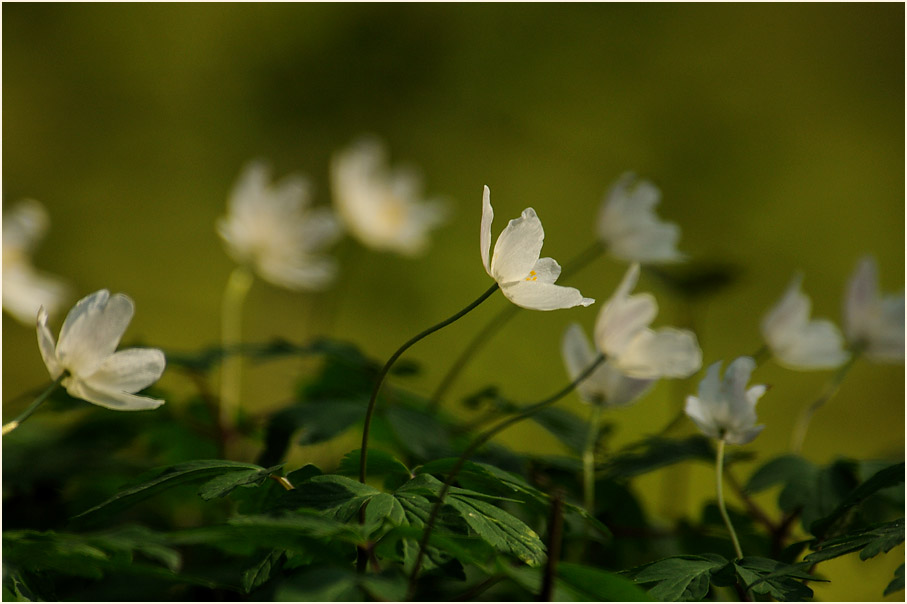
[588,301]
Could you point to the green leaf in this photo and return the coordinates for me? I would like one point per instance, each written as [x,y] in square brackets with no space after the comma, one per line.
[329,584]
[419,432]
[162,479]
[773,578]
[317,421]
[680,578]
[888,477]
[379,464]
[499,529]
[870,541]
[340,497]
[897,584]
[697,279]
[222,485]
[591,584]
[260,571]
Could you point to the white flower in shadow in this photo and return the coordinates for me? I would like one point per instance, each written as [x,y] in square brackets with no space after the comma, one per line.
[86,351]
[622,332]
[606,385]
[272,230]
[524,278]
[383,208]
[726,409]
[798,342]
[871,322]
[629,226]
[25,289]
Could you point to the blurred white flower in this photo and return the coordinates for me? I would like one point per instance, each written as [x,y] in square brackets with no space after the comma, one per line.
[606,385]
[798,342]
[629,227]
[525,279]
[25,289]
[272,229]
[380,207]
[874,323]
[622,333]
[86,351]
[726,409]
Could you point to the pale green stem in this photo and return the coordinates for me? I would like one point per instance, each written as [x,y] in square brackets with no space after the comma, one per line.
[231,336]
[719,473]
[798,436]
[589,459]
[9,427]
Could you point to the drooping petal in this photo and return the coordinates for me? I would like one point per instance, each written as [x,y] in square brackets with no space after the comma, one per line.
[26,289]
[667,352]
[92,331]
[621,389]
[518,248]
[128,370]
[485,229]
[578,355]
[46,345]
[118,401]
[536,295]
[743,437]
[700,413]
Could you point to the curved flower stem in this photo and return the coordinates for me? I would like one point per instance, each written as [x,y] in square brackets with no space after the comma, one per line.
[719,473]
[831,389]
[238,285]
[363,458]
[9,427]
[480,440]
[497,322]
[589,460]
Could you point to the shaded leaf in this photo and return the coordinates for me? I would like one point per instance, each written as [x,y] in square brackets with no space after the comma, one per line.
[897,584]
[222,485]
[590,584]
[568,427]
[165,478]
[870,541]
[680,578]
[261,570]
[773,578]
[888,477]
[656,452]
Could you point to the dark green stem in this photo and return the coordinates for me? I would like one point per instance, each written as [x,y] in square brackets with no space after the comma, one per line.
[502,318]
[480,440]
[387,366]
[7,428]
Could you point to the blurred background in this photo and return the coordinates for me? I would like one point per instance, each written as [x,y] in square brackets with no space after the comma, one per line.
[776,133]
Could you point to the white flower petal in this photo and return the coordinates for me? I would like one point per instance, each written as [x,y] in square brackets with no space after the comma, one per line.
[47,345]
[536,295]
[861,300]
[623,316]
[743,437]
[886,342]
[726,410]
[26,289]
[621,389]
[128,370]
[628,225]
[816,345]
[92,331]
[118,401]
[485,229]
[666,353]
[546,270]
[698,411]
[24,225]
[518,248]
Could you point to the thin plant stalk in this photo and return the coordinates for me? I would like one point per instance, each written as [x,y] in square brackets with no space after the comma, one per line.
[363,458]
[497,322]
[238,285]
[719,473]
[477,442]
[9,427]
[589,459]
[798,436]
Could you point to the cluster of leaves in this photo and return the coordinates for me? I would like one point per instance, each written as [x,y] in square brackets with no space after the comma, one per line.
[190,526]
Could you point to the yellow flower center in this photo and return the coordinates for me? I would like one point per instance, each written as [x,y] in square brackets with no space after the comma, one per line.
[532,276]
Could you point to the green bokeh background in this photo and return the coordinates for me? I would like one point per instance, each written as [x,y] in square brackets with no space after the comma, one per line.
[776,133]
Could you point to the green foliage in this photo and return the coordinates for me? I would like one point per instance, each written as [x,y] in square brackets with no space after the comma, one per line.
[680,578]
[772,578]
[655,453]
[897,584]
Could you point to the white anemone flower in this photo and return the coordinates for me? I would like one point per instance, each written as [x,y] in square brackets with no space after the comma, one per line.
[726,409]
[606,385]
[383,208]
[622,332]
[524,278]
[86,352]
[25,289]
[629,227]
[795,340]
[870,321]
[272,230]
